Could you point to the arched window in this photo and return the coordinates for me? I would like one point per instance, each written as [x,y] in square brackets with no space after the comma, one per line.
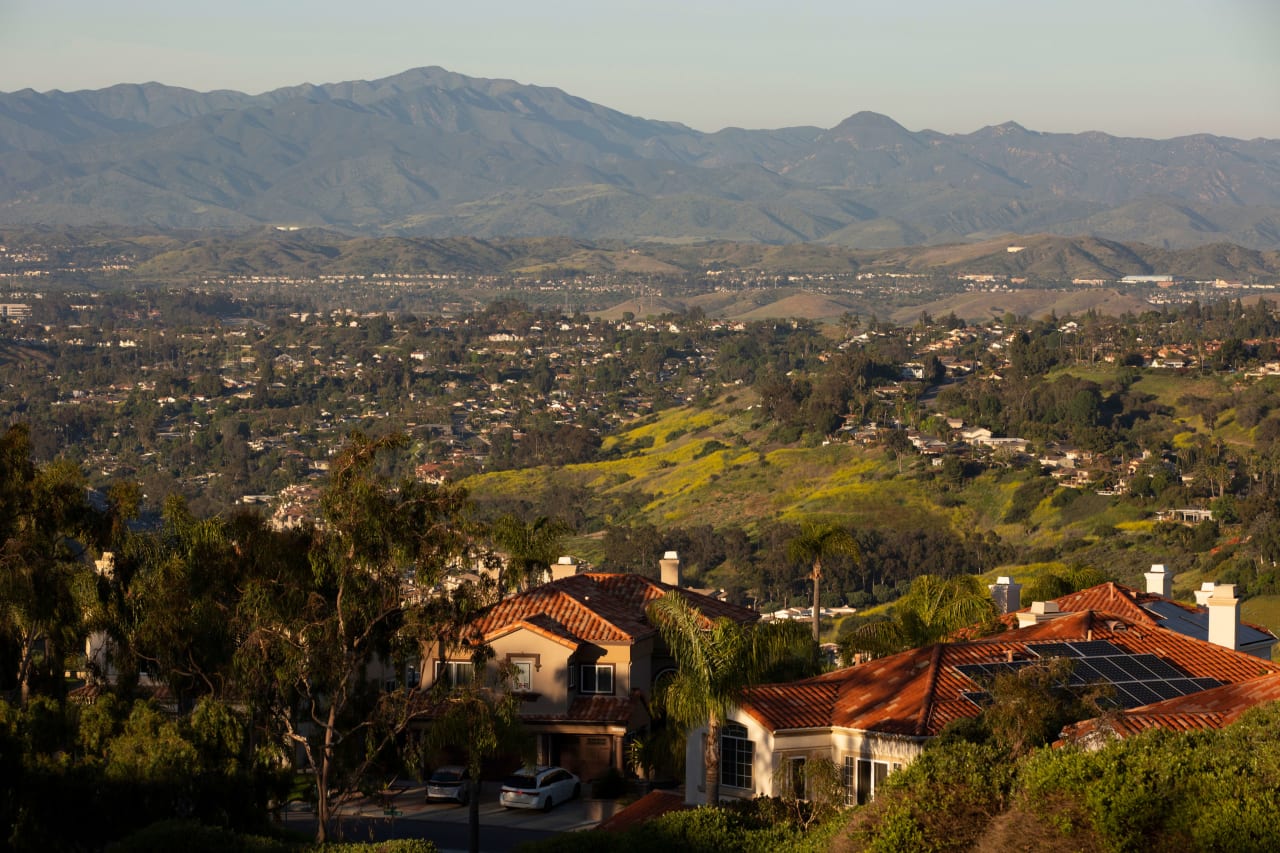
[737,754]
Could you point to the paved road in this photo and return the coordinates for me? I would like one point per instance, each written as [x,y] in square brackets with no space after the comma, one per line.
[501,830]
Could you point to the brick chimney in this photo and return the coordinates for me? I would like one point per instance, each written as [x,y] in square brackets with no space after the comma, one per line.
[1203,593]
[669,566]
[1006,594]
[1159,581]
[1041,611]
[565,567]
[1224,616]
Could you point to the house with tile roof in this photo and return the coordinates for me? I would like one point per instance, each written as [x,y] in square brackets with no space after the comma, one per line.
[1214,617]
[873,718]
[584,658]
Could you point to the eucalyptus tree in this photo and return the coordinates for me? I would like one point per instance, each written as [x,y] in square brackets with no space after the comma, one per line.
[44,576]
[716,661]
[321,622]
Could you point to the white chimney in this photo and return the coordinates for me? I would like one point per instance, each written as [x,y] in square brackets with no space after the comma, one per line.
[1203,593]
[565,567]
[1224,615]
[1006,594]
[1041,611]
[669,565]
[1159,581]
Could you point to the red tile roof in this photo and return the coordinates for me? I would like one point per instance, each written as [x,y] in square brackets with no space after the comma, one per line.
[595,608]
[916,693]
[651,805]
[592,709]
[1209,709]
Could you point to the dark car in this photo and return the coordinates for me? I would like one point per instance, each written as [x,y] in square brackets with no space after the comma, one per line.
[449,783]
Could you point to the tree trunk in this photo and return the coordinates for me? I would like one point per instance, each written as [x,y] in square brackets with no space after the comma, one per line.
[817,606]
[711,754]
[473,813]
[322,779]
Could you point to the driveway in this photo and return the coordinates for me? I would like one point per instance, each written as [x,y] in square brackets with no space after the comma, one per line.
[501,830]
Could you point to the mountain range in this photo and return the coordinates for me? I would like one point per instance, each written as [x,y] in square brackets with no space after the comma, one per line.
[431,152]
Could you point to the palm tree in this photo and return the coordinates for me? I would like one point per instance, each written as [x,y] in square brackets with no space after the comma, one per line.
[530,547]
[816,542]
[933,609]
[715,662]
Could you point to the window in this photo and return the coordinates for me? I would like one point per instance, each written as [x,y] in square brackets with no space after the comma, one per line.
[737,754]
[795,776]
[522,675]
[455,672]
[863,777]
[597,678]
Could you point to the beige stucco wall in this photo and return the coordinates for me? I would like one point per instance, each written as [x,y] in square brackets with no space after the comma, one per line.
[771,749]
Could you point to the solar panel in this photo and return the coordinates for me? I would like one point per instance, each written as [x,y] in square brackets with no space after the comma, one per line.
[1133,668]
[1184,685]
[1207,683]
[1096,649]
[1142,692]
[1165,689]
[1110,670]
[981,698]
[1160,668]
[1053,650]
[1088,673]
[1125,698]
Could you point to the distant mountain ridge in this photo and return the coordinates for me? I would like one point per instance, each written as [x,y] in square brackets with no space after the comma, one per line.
[433,152]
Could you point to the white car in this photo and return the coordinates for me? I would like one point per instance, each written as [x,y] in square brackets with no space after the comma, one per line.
[539,788]
[449,783]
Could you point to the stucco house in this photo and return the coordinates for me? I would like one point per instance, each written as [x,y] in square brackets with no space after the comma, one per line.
[585,659]
[873,718]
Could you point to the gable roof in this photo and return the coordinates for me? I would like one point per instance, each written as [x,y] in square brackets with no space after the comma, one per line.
[595,607]
[1151,609]
[1209,709]
[916,693]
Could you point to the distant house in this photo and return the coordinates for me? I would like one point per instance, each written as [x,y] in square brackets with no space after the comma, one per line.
[586,659]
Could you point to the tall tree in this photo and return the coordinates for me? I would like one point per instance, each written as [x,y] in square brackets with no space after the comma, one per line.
[715,662]
[818,541]
[482,719]
[528,548]
[44,580]
[933,609]
[317,630]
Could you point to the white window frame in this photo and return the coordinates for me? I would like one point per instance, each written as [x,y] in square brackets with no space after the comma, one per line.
[862,778]
[735,742]
[522,675]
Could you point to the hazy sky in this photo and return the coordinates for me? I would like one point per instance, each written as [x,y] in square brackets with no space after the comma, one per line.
[1155,68]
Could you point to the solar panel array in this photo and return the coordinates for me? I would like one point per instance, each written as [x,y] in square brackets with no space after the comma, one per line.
[1135,679]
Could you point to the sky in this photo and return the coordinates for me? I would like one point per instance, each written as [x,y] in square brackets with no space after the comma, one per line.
[1153,68]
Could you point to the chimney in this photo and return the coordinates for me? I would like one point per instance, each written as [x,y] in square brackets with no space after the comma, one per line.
[565,567]
[1159,581]
[1006,594]
[1041,611]
[1224,615]
[669,565]
[1203,593]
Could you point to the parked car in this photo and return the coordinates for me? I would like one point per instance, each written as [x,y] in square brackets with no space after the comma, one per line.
[539,788]
[450,782]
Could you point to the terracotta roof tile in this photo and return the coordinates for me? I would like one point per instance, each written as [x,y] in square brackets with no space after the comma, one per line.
[595,608]
[651,805]
[591,709]
[916,693]
[1209,709]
